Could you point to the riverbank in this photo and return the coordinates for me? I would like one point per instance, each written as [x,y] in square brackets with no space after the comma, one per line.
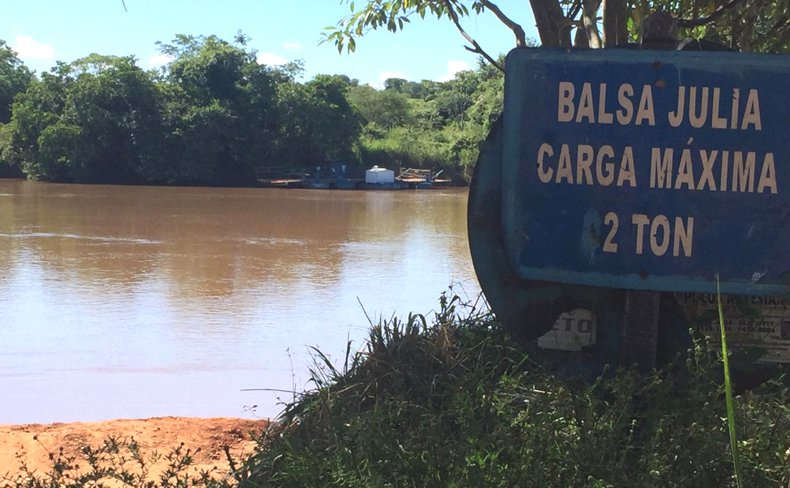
[34,442]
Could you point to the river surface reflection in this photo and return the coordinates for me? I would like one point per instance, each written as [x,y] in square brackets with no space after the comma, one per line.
[145,301]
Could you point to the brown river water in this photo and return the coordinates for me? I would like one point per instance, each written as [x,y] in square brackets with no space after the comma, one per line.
[130,302]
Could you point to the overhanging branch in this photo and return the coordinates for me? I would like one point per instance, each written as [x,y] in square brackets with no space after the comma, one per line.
[574,10]
[518,31]
[710,18]
[476,48]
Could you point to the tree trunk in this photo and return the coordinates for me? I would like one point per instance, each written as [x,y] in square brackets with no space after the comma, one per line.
[589,13]
[554,29]
[615,23]
[580,39]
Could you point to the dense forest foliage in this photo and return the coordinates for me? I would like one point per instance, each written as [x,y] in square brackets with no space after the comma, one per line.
[215,116]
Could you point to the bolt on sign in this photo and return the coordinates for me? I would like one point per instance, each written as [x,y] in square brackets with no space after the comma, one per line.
[649,170]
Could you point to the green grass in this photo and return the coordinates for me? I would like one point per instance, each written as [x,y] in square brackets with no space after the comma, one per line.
[451,402]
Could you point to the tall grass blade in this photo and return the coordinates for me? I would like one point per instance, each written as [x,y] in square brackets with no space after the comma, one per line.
[728,391]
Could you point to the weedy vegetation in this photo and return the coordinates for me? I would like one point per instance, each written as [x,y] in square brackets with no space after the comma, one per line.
[449,401]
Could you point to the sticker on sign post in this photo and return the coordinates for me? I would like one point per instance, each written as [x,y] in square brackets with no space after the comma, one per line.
[571,332]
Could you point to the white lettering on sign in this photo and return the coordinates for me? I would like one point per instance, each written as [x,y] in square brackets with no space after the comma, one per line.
[657,236]
[735,171]
[686,169]
[593,166]
[591,107]
[697,106]
[704,109]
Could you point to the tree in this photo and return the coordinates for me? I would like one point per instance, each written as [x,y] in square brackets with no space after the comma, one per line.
[746,26]
[396,84]
[439,127]
[206,68]
[457,96]
[221,114]
[94,120]
[33,110]
[203,91]
[213,116]
[385,108]
[741,24]
[14,78]
[318,122]
[488,97]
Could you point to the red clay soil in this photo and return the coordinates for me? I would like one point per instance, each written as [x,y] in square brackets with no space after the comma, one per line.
[34,442]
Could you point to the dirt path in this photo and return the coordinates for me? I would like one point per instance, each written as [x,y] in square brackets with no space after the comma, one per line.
[35,441]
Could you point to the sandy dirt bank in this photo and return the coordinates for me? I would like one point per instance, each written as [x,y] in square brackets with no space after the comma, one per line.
[35,441]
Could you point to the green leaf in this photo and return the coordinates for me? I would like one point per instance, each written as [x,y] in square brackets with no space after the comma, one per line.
[728,392]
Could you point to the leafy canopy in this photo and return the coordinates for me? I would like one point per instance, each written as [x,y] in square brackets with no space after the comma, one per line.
[757,25]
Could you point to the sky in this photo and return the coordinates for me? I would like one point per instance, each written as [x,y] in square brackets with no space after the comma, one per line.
[45,31]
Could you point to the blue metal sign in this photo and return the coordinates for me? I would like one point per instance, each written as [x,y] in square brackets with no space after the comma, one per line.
[648,170]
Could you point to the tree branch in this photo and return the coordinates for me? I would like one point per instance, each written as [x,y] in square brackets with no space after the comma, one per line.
[574,10]
[476,48]
[590,23]
[710,18]
[518,31]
